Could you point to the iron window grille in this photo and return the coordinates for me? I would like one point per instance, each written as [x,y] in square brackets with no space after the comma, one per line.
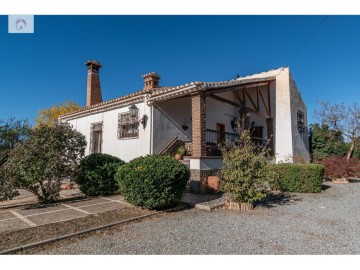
[128,125]
[301,121]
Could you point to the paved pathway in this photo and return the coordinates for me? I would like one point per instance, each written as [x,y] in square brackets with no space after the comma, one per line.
[31,216]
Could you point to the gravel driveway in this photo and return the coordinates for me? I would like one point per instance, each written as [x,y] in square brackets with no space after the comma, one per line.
[325,223]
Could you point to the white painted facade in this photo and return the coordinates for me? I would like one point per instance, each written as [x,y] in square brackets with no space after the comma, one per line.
[171,117]
[125,149]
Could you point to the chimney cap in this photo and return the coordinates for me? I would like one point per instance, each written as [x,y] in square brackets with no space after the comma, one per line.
[151,75]
[93,63]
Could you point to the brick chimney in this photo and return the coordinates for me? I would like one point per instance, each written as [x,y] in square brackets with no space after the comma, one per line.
[93,90]
[151,80]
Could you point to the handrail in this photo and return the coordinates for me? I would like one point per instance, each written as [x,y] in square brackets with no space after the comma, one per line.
[167,146]
[173,121]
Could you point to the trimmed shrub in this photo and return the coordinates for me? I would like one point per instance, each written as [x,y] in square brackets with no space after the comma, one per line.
[153,181]
[97,174]
[298,177]
[338,167]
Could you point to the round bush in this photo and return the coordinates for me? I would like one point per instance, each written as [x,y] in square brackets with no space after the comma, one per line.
[153,181]
[96,175]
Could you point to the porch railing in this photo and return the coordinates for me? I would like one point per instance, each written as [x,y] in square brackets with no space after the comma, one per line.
[214,137]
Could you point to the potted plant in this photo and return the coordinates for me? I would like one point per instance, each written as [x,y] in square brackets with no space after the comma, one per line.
[180,152]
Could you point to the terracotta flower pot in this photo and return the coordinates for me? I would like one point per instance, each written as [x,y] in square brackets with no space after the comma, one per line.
[213,182]
[178,157]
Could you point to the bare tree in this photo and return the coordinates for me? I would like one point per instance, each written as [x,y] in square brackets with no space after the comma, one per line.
[342,118]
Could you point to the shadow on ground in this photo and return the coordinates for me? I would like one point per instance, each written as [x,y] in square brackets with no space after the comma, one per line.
[276,199]
[354,180]
[325,187]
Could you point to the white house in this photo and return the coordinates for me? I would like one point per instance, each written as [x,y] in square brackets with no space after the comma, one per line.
[157,119]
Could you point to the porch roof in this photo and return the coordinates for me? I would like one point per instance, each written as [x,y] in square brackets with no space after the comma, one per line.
[168,92]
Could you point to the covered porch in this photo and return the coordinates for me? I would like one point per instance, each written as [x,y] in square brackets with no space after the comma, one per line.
[202,115]
[207,117]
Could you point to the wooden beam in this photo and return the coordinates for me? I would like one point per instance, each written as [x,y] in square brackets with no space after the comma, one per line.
[238,98]
[251,100]
[238,105]
[269,102]
[263,100]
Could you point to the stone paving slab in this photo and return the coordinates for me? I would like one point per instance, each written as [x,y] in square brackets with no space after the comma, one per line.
[5,215]
[87,202]
[110,206]
[12,224]
[26,211]
[32,215]
[58,217]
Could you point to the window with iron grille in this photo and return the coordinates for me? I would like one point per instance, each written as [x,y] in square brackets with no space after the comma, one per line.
[301,121]
[96,138]
[128,126]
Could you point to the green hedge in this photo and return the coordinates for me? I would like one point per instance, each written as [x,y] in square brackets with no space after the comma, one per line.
[298,177]
[97,174]
[153,181]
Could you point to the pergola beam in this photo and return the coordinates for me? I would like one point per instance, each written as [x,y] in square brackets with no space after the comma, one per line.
[236,88]
[238,105]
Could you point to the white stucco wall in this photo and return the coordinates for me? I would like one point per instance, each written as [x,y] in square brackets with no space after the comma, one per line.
[125,149]
[283,123]
[290,143]
[220,112]
[300,139]
[169,117]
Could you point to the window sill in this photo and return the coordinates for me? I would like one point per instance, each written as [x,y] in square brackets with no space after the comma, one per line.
[128,138]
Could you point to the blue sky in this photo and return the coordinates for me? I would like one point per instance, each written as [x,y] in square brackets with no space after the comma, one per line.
[47,67]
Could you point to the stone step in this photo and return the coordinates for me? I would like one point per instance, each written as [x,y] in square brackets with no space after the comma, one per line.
[206,202]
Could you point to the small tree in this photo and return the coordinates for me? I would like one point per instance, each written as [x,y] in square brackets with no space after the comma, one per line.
[245,170]
[41,162]
[343,119]
[50,115]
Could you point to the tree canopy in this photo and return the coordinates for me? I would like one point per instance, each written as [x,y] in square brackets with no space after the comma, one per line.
[50,115]
[342,118]
[11,132]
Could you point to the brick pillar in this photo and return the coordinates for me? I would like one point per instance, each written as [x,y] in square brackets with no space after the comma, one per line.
[198,106]
[270,133]
[93,89]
